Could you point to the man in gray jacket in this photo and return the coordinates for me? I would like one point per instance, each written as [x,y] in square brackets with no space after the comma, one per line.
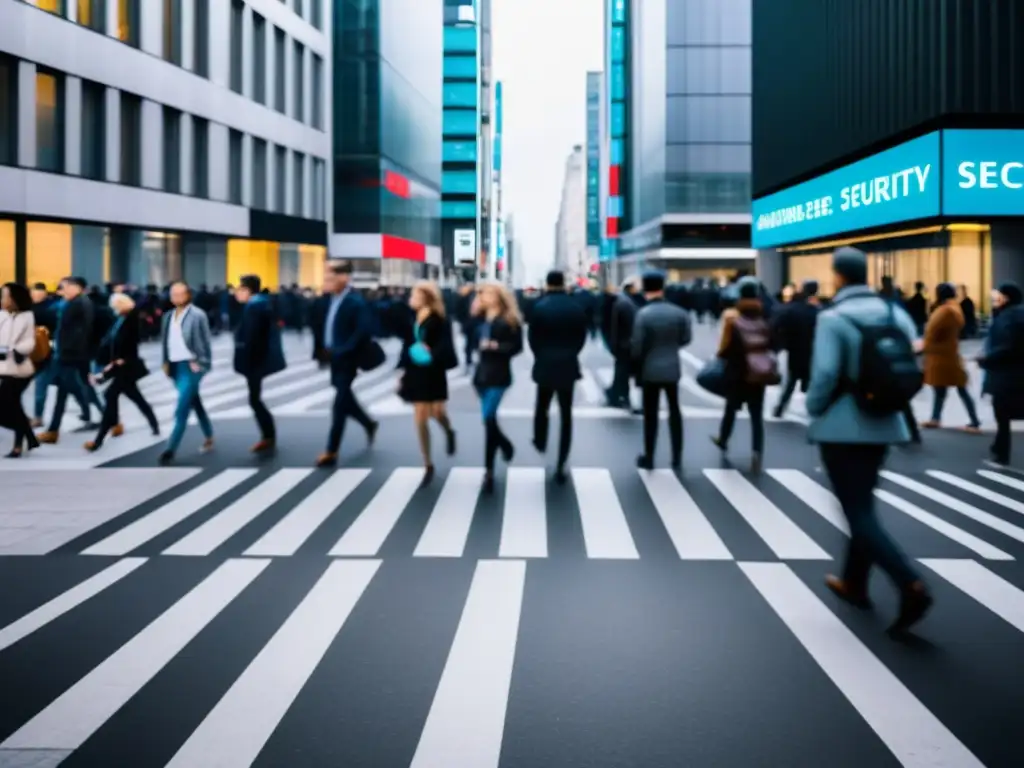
[660,331]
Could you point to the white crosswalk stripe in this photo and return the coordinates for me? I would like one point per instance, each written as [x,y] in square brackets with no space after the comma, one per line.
[613,514]
[463,719]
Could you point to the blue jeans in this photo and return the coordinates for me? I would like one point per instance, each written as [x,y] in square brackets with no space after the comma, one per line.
[69,381]
[490,400]
[494,438]
[187,381]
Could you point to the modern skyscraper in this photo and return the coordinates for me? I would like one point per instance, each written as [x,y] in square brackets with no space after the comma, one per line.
[594,89]
[467,146]
[909,145]
[571,230]
[387,138]
[678,91]
[141,143]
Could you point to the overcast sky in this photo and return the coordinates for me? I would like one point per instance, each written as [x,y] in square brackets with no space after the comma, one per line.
[542,52]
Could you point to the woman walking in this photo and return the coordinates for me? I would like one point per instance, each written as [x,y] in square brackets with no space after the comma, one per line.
[123,368]
[17,341]
[943,367]
[500,335]
[426,358]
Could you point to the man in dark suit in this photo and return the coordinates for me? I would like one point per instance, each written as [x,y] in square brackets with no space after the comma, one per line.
[258,353]
[342,336]
[557,334]
[793,328]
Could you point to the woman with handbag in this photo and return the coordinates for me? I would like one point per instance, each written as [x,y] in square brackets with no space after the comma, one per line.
[425,359]
[17,342]
[123,368]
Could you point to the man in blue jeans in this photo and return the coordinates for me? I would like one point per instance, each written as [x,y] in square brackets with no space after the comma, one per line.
[187,357]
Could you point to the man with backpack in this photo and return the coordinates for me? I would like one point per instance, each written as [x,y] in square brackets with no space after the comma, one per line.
[864,372]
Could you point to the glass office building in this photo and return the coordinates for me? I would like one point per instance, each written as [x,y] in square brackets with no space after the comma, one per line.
[679,85]
[387,138]
[909,145]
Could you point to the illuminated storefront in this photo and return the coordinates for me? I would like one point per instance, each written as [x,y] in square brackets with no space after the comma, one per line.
[944,207]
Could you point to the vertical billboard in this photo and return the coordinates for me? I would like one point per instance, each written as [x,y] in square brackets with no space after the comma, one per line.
[593,158]
[499,256]
[616,34]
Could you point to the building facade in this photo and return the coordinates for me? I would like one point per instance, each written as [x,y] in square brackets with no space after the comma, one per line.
[387,61]
[147,141]
[571,227]
[916,133]
[595,86]
[467,148]
[679,89]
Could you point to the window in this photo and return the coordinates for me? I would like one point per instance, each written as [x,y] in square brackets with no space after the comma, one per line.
[458,209]
[299,198]
[618,82]
[128,22]
[201,39]
[299,8]
[459,182]
[459,152]
[460,66]
[460,122]
[49,121]
[317,88]
[317,13]
[460,39]
[259,174]
[237,12]
[459,94]
[708,119]
[200,157]
[8,111]
[280,46]
[319,189]
[53,6]
[172,150]
[708,70]
[259,59]
[280,178]
[172,31]
[94,131]
[93,14]
[298,78]
[235,167]
[131,139]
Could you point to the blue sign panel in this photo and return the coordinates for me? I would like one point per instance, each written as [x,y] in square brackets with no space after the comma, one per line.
[983,173]
[899,184]
[593,158]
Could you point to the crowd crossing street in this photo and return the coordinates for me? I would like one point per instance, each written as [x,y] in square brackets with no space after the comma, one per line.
[238,609]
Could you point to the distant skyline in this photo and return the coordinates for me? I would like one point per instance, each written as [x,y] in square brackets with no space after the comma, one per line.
[543,50]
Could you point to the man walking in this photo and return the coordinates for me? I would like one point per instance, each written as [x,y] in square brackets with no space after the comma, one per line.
[258,353]
[72,351]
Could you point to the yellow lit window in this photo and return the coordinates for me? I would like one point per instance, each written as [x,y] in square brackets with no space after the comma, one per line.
[48,253]
[53,6]
[6,251]
[128,21]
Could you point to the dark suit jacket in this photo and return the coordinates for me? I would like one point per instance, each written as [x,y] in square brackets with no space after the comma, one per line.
[258,349]
[123,344]
[557,333]
[352,334]
[74,332]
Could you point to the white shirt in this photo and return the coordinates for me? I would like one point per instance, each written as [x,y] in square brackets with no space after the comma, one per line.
[177,350]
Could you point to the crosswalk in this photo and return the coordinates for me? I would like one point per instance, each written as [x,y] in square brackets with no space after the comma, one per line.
[600,514]
[257,661]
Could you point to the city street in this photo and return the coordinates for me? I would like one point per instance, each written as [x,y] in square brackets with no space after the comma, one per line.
[233,610]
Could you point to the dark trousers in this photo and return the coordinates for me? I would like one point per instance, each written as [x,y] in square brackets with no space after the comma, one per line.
[753,397]
[1001,445]
[618,392]
[345,407]
[965,398]
[112,410]
[852,470]
[263,418]
[787,391]
[651,404]
[541,420]
[911,419]
[70,381]
[12,413]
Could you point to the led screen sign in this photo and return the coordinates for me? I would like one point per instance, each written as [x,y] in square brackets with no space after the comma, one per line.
[983,173]
[899,184]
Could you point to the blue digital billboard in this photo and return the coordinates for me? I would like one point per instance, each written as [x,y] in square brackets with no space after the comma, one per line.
[983,173]
[899,184]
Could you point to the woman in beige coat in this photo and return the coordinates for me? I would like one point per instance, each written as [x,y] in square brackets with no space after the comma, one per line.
[17,340]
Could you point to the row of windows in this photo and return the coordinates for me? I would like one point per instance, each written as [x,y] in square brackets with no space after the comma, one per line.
[93,14]
[708,70]
[264,36]
[50,125]
[711,119]
[460,66]
[459,122]
[709,22]
[460,95]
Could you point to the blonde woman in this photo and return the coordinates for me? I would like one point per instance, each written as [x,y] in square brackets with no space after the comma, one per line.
[500,339]
[123,368]
[426,358]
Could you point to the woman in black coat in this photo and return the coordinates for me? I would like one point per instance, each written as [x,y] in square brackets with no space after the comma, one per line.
[426,358]
[501,339]
[123,368]
[1003,363]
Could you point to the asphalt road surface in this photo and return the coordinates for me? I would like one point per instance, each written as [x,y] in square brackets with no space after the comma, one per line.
[235,611]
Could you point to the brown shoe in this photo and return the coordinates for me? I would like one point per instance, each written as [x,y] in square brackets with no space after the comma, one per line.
[263,446]
[931,424]
[92,446]
[970,429]
[327,460]
[48,438]
[117,430]
[857,597]
[207,445]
